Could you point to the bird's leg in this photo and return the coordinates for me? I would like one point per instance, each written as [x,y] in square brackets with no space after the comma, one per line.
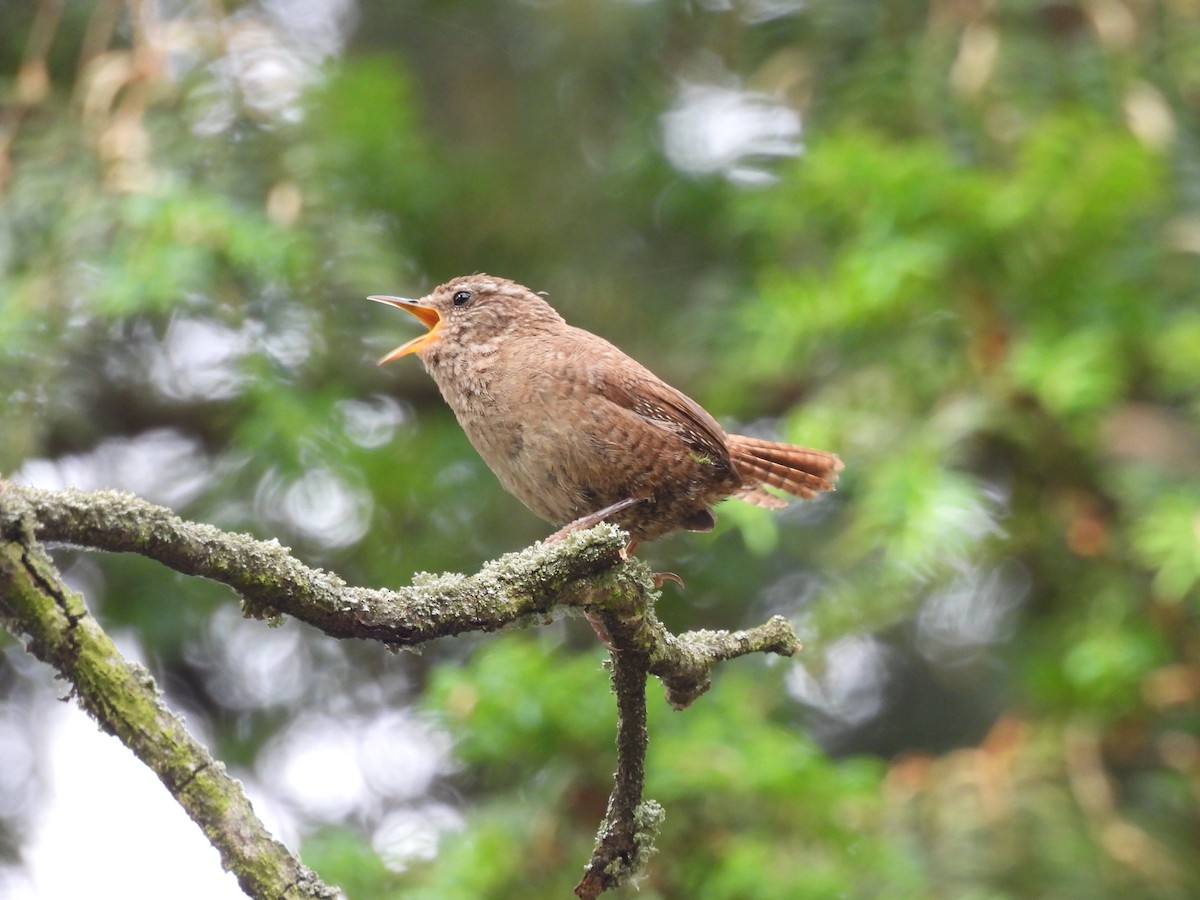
[600,629]
[660,578]
[592,519]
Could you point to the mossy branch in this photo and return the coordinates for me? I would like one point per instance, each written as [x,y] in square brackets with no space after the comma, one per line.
[123,698]
[625,840]
[587,571]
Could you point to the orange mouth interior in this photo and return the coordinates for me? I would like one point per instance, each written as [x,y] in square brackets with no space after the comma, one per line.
[426,314]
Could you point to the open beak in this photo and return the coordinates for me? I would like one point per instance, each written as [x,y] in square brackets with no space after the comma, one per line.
[426,314]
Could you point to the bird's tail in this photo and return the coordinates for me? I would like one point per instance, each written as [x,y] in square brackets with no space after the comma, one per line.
[798,470]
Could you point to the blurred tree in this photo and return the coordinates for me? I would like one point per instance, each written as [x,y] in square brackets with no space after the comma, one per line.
[957,242]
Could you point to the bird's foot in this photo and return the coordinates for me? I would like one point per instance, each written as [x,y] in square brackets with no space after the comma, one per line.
[660,578]
[584,522]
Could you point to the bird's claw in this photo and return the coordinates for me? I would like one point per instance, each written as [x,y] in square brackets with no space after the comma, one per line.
[661,578]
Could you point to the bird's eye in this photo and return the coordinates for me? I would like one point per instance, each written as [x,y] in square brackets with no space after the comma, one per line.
[461,298]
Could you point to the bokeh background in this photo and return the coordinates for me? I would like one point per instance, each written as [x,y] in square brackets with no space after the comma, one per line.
[957,242]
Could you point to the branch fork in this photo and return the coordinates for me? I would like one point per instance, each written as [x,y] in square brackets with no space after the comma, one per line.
[587,571]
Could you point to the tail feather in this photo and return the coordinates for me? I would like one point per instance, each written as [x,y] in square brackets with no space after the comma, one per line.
[797,470]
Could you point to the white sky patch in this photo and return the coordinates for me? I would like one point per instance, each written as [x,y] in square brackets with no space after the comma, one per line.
[270,52]
[716,129]
[851,687]
[756,11]
[314,766]
[109,828]
[334,768]
[372,422]
[978,610]
[406,836]
[197,359]
[162,466]
[251,667]
[320,505]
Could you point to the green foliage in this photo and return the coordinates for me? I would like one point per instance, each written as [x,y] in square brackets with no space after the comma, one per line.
[186,242]
[741,792]
[514,733]
[1167,541]
[341,858]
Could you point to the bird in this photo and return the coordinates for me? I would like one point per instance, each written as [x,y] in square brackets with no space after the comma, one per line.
[579,431]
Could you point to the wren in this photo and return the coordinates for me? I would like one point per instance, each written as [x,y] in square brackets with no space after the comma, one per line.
[580,432]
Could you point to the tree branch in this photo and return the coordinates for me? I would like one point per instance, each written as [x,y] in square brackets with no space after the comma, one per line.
[683,662]
[270,580]
[587,571]
[123,698]
[626,836]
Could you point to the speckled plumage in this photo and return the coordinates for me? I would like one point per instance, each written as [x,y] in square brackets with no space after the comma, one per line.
[570,424]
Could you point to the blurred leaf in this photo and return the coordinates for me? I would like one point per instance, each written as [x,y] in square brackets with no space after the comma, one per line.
[1075,374]
[1167,540]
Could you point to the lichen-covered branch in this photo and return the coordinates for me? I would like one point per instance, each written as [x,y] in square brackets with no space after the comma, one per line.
[271,581]
[683,662]
[626,836]
[124,700]
[587,571]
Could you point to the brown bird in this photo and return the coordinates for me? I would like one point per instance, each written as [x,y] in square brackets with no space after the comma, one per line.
[578,431]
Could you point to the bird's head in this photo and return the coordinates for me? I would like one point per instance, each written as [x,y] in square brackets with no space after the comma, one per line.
[471,309]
